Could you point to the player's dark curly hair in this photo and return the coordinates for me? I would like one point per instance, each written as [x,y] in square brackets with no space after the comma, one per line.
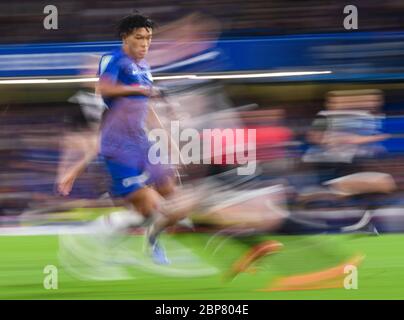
[134,21]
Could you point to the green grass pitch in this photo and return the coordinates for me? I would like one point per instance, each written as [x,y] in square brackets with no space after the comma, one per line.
[381,275]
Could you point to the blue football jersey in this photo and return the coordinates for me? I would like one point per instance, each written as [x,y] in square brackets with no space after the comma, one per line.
[123,136]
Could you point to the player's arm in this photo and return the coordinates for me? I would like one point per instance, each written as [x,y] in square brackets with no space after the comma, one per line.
[370,139]
[357,139]
[153,121]
[108,88]
[68,174]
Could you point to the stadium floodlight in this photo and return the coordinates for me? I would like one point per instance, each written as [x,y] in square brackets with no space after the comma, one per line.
[243,75]
[174,77]
[47,81]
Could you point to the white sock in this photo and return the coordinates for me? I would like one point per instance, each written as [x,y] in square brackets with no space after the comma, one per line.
[119,220]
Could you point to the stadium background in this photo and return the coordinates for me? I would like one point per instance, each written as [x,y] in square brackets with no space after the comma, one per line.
[256,37]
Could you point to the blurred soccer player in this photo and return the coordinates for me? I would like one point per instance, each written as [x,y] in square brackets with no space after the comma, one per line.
[126,86]
[125,83]
[346,140]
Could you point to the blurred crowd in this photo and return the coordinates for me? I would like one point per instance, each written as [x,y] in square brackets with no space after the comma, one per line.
[30,151]
[22,21]
[305,144]
[32,144]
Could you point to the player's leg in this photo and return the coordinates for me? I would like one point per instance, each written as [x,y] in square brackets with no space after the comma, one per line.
[147,202]
[162,213]
[249,217]
[173,208]
[167,187]
[143,188]
[363,182]
[129,185]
